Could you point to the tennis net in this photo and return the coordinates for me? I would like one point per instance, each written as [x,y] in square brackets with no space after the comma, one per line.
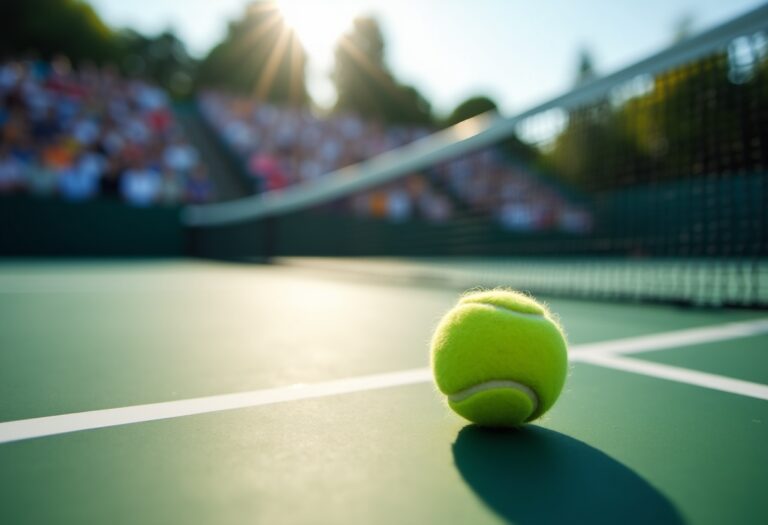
[647,184]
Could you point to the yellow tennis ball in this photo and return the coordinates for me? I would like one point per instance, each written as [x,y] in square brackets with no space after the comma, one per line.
[500,358]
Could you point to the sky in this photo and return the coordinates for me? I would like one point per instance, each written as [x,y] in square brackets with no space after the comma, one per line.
[518,52]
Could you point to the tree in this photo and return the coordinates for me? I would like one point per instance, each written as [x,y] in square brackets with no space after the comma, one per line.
[50,27]
[598,148]
[366,86]
[703,117]
[163,59]
[585,71]
[260,56]
[46,28]
[706,117]
[683,28]
[471,108]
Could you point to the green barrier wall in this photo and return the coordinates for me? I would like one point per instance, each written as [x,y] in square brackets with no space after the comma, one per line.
[694,218]
[101,228]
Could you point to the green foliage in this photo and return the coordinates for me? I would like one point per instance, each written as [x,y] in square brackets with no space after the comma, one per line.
[366,86]
[516,149]
[700,119]
[595,149]
[260,56]
[471,108]
[46,28]
[585,71]
[162,58]
[51,27]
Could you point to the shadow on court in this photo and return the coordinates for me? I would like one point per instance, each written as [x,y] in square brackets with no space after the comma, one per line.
[535,475]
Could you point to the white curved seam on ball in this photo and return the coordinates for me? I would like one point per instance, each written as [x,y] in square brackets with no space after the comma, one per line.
[502,309]
[494,384]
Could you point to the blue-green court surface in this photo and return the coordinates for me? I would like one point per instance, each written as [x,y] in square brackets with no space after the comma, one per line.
[664,417]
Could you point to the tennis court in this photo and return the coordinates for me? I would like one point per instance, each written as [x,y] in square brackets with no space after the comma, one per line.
[270,364]
[664,417]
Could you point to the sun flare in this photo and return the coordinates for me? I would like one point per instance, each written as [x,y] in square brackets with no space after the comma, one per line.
[317,24]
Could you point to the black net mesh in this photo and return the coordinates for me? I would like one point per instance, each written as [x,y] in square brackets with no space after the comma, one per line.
[654,190]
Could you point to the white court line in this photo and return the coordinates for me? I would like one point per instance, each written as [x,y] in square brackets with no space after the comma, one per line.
[674,373]
[595,353]
[51,425]
[691,336]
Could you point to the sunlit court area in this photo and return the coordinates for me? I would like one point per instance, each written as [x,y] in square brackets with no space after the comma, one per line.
[451,262]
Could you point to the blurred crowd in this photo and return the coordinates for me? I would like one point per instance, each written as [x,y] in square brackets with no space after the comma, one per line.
[279,147]
[283,145]
[89,133]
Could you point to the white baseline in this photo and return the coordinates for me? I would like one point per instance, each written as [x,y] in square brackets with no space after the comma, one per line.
[601,354]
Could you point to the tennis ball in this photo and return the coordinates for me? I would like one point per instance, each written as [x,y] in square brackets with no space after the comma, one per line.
[500,358]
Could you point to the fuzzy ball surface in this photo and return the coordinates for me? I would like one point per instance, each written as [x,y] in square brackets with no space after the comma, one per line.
[500,357]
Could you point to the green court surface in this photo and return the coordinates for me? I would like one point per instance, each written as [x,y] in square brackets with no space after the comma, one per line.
[664,421]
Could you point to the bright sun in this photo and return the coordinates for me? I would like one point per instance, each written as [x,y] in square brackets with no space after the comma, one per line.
[317,24]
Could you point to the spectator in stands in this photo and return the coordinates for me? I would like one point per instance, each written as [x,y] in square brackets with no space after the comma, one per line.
[109,185]
[10,171]
[42,179]
[282,146]
[199,187]
[172,188]
[180,157]
[87,133]
[399,207]
[141,186]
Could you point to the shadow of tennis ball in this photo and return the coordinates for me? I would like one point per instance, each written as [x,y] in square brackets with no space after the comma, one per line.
[534,475]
